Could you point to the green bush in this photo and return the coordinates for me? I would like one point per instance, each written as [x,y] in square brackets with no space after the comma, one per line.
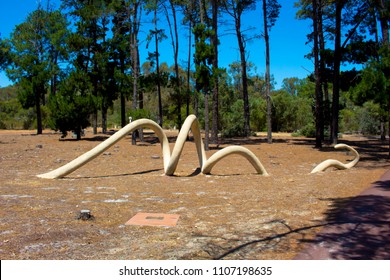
[308,130]
[234,120]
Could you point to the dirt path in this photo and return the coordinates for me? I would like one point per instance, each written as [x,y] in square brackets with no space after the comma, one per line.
[231,214]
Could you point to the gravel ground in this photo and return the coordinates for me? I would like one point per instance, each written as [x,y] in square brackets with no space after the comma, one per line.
[233,213]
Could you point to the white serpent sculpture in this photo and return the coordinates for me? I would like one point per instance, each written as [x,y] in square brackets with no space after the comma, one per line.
[337,164]
[170,160]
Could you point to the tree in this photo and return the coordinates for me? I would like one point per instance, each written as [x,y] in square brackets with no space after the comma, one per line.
[317,76]
[4,53]
[214,42]
[121,52]
[204,54]
[72,105]
[89,47]
[270,14]
[236,8]
[174,34]
[158,35]
[34,45]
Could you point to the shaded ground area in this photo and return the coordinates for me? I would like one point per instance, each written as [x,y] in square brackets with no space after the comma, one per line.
[231,214]
[356,228]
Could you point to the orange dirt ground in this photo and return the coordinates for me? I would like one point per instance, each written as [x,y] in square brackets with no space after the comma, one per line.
[232,214]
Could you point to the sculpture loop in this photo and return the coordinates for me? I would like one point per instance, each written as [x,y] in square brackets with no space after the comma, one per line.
[337,164]
[170,160]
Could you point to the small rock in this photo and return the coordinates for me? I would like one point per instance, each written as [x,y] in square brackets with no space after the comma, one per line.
[85,215]
[39,146]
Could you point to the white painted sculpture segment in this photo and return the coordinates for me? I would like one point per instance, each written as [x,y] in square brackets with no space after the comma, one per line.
[337,164]
[170,160]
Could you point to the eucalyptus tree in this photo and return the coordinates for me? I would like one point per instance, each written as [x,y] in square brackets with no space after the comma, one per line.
[236,9]
[33,53]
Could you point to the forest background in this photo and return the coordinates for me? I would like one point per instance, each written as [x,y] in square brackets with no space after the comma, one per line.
[79,65]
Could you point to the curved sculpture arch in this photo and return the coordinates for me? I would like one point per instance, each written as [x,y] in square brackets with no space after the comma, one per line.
[337,164]
[170,160]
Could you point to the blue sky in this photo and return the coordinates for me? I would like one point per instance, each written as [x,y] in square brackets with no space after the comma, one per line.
[288,40]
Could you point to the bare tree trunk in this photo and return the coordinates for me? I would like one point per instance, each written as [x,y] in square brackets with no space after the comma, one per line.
[241,47]
[214,42]
[176,58]
[336,74]
[37,95]
[318,91]
[175,46]
[267,75]
[104,120]
[135,59]
[324,83]
[189,68]
[206,93]
[160,110]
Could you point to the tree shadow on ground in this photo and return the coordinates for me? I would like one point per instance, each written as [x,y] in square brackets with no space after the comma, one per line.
[113,175]
[358,228]
[354,228]
[369,150]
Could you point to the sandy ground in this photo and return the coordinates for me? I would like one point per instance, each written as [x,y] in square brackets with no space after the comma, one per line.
[233,213]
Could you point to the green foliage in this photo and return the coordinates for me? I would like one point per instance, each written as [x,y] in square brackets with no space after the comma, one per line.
[375,81]
[233,121]
[71,106]
[308,130]
[258,117]
[139,114]
[290,113]
[204,54]
[273,9]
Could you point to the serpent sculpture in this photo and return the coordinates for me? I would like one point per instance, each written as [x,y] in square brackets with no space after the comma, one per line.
[337,164]
[170,160]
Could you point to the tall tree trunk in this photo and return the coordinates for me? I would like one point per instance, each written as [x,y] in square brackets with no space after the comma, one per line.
[324,83]
[135,60]
[206,121]
[336,74]
[104,120]
[267,75]
[206,93]
[214,42]
[244,82]
[317,75]
[176,59]
[175,46]
[189,67]
[122,94]
[241,47]
[37,94]
[160,110]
